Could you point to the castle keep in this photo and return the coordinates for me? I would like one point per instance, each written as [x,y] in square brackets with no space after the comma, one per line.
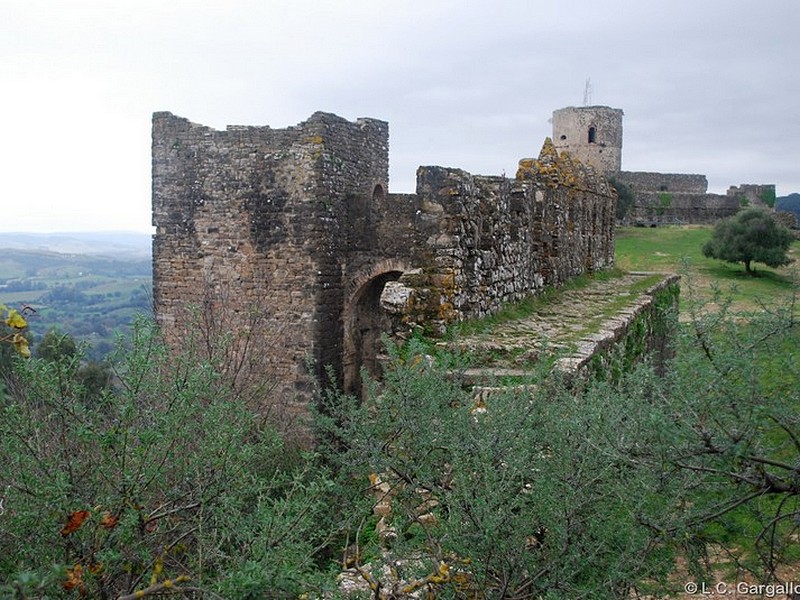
[291,238]
[593,134]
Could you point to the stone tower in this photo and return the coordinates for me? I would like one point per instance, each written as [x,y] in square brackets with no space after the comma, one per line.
[592,134]
[275,246]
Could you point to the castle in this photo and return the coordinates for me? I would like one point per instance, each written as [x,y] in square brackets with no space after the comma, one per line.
[289,242]
[593,135]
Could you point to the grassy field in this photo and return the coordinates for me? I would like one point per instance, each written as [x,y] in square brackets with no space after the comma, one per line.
[678,250]
[91,297]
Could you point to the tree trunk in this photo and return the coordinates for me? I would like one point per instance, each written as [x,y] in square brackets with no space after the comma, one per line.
[747,268]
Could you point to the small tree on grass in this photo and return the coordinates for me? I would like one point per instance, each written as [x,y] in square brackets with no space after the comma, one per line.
[752,235]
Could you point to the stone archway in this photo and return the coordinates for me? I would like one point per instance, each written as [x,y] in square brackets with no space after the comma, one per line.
[364,323]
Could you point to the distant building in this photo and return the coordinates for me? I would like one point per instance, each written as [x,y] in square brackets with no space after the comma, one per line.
[593,135]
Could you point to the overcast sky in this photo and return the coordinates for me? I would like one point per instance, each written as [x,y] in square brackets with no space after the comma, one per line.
[707,86]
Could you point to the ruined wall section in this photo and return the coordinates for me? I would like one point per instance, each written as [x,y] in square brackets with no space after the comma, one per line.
[493,240]
[683,198]
[754,195]
[352,180]
[642,181]
[288,239]
[250,226]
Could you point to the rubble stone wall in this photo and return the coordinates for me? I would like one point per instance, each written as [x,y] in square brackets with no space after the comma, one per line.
[492,240]
[680,183]
[290,239]
[683,198]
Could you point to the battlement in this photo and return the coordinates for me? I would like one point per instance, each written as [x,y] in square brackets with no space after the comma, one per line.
[291,236]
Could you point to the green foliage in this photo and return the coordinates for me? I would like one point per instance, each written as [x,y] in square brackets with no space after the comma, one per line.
[734,432]
[168,479]
[589,491]
[525,493]
[562,489]
[90,378]
[768,197]
[56,347]
[625,198]
[752,235]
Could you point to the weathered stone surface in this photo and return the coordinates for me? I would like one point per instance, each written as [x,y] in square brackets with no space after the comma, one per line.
[593,135]
[577,327]
[291,234]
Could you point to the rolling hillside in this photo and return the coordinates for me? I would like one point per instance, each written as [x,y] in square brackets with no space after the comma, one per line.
[88,285]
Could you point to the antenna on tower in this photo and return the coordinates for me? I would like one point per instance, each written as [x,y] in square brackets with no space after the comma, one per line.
[587,92]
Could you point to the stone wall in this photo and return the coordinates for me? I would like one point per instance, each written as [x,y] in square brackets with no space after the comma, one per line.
[591,134]
[680,183]
[645,329]
[683,198]
[288,238]
[250,226]
[753,195]
[492,240]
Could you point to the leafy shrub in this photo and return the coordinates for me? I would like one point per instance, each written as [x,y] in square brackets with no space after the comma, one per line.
[523,496]
[168,481]
[553,490]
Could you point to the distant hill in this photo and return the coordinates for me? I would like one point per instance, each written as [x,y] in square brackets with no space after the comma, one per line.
[117,244]
[90,285]
[790,203]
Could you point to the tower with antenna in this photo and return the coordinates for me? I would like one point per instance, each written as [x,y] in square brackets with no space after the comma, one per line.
[592,134]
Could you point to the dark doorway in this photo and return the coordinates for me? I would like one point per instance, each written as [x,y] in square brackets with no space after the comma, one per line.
[365,322]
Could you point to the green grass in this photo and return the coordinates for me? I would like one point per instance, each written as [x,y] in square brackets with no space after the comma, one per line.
[678,250]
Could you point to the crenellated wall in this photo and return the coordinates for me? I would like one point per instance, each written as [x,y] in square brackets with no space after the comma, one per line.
[290,239]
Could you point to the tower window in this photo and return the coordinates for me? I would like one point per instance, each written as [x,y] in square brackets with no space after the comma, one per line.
[592,135]
[563,137]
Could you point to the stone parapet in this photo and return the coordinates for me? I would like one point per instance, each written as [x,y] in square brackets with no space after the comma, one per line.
[292,235]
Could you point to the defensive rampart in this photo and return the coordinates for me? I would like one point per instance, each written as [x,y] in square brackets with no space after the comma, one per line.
[683,198]
[288,237]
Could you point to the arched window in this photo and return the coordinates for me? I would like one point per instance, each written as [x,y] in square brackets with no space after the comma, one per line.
[592,134]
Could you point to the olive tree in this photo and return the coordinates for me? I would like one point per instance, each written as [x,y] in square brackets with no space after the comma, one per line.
[752,235]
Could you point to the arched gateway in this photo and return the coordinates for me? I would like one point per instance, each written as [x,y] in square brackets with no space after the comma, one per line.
[297,225]
[364,323]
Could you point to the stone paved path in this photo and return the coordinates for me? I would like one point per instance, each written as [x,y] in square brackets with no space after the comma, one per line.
[572,325]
